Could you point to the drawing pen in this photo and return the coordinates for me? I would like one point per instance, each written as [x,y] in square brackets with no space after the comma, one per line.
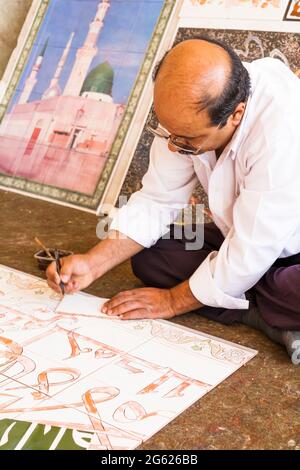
[58,266]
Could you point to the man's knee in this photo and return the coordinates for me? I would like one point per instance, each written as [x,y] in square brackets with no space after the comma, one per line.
[152,268]
[139,264]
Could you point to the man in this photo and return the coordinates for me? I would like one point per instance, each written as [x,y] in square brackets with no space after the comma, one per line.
[235,128]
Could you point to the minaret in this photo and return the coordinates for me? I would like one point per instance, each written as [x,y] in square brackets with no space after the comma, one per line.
[32,78]
[86,53]
[54,89]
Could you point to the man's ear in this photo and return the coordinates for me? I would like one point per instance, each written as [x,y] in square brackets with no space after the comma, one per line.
[236,117]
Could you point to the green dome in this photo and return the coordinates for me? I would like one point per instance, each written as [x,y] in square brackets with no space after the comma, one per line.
[99,80]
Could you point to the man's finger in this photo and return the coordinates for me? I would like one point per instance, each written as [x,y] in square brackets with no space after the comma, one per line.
[54,286]
[138,314]
[73,286]
[67,267]
[125,307]
[52,274]
[117,300]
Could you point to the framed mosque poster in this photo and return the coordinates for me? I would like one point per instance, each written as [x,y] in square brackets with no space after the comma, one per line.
[80,83]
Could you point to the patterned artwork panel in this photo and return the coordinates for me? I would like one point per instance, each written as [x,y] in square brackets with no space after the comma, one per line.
[229,9]
[118,381]
[292,12]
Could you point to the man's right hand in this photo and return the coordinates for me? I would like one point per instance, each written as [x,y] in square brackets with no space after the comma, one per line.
[76,273]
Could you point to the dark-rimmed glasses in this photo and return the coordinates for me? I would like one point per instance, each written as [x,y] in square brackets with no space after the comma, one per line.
[179,143]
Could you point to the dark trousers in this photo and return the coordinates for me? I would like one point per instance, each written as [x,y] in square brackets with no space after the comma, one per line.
[277,294]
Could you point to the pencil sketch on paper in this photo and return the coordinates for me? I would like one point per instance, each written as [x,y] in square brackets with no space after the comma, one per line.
[250,9]
[263,4]
[64,366]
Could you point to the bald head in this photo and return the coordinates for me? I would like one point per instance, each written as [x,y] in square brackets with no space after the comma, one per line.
[191,70]
[191,78]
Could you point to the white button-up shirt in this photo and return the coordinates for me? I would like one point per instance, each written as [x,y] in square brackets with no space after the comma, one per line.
[253,190]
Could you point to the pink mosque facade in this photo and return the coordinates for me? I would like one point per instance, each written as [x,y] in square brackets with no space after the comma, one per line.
[62,140]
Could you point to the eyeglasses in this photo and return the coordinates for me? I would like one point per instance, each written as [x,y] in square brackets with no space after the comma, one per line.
[178,142]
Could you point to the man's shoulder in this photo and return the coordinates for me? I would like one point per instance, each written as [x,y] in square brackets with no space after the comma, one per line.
[274,85]
[270,67]
[265,62]
[274,94]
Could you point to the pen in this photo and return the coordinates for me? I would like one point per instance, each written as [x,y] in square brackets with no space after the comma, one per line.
[58,266]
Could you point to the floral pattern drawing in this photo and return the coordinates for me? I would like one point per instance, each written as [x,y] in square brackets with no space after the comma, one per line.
[118,381]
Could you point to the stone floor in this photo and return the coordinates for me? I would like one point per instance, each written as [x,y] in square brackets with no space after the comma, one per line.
[258,407]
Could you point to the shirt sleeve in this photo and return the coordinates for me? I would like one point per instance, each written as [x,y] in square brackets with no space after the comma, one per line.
[266,215]
[166,189]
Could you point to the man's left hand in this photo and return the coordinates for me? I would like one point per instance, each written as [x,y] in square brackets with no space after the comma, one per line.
[148,302]
[145,302]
